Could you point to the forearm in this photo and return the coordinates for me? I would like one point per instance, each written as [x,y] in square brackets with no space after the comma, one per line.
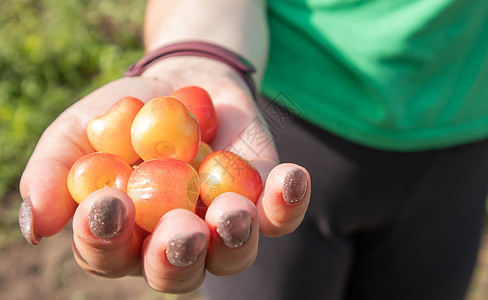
[239,25]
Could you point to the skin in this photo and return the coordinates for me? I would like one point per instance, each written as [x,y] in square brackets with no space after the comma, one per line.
[65,140]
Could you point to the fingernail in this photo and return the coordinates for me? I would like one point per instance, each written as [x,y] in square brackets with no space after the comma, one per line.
[107,217]
[294,186]
[26,222]
[234,228]
[185,249]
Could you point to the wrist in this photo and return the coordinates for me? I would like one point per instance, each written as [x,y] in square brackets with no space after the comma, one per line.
[185,70]
[194,58]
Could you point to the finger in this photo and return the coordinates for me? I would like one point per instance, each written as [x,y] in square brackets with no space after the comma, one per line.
[234,228]
[47,206]
[174,254]
[105,240]
[285,199]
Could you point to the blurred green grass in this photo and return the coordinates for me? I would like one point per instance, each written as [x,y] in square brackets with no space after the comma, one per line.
[51,54]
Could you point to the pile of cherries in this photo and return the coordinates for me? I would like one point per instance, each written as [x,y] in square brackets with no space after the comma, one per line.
[159,154]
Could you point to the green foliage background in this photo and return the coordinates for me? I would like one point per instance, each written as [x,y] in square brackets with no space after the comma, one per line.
[51,54]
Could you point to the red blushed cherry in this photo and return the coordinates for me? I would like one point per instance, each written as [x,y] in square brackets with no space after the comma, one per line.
[199,103]
[224,171]
[160,185]
[202,152]
[201,209]
[110,132]
[95,171]
[164,128]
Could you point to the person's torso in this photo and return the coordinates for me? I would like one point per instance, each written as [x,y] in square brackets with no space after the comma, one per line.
[391,74]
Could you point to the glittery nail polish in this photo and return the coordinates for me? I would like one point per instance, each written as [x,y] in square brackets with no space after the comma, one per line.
[294,186]
[234,228]
[26,222]
[185,249]
[107,217]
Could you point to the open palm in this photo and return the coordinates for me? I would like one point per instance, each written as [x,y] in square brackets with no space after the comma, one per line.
[182,246]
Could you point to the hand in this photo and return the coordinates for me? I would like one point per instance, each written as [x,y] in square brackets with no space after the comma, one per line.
[182,247]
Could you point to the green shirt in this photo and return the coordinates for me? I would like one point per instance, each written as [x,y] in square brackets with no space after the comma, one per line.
[400,75]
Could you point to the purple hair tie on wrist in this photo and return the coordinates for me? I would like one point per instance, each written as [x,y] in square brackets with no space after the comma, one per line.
[196,48]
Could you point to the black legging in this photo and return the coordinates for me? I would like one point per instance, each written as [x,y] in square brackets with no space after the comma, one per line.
[381,225]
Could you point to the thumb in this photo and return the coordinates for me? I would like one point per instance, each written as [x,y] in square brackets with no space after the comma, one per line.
[47,206]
